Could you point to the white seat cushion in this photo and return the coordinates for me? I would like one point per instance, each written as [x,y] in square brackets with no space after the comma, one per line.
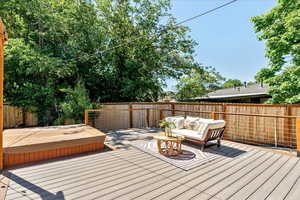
[177,120]
[203,126]
[188,133]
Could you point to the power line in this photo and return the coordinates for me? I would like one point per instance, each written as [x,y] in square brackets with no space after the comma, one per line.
[179,23]
[206,12]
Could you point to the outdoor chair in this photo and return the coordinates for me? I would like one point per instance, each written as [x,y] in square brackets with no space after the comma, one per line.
[198,130]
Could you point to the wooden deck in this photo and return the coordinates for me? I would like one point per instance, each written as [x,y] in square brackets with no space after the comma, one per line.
[132,174]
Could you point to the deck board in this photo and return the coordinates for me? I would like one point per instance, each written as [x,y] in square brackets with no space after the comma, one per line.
[133,174]
[286,184]
[269,185]
[256,183]
[229,188]
[205,179]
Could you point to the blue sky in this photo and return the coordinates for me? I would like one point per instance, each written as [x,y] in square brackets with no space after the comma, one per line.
[226,38]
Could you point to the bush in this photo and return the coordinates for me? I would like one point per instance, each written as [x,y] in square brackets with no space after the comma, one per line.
[76,101]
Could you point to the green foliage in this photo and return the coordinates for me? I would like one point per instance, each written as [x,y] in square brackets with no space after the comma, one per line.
[230,83]
[280,29]
[166,124]
[198,83]
[33,78]
[286,86]
[251,83]
[75,102]
[54,43]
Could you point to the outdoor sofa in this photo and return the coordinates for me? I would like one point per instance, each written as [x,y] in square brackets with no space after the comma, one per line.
[198,130]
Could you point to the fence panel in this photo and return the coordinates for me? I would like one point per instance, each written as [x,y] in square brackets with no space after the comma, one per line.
[111,120]
[15,117]
[254,123]
[213,107]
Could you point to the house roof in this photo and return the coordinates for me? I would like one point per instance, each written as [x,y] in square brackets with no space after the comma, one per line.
[251,90]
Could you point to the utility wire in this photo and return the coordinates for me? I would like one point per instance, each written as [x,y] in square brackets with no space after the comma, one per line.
[206,12]
[179,23]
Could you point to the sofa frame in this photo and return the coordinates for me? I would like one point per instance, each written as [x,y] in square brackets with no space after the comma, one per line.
[212,134]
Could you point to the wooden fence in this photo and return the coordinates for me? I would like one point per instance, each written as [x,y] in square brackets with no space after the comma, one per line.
[14,117]
[253,123]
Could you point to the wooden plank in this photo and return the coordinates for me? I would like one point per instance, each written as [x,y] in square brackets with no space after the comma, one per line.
[91,161]
[294,193]
[130,189]
[288,126]
[256,183]
[232,176]
[285,185]
[130,116]
[148,117]
[18,158]
[132,174]
[213,115]
[229,188]
[173,109]
[89,171]
[85,186]
[159,185]
[191,179]
[210,179]
[86,117]
[271,183]
[161,115]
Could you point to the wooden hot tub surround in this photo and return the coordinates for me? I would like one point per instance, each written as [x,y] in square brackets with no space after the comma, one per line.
[42,143]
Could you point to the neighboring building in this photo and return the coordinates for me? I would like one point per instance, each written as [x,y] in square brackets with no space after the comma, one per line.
[256,93]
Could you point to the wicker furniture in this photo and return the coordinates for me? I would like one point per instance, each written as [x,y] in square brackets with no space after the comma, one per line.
[169,145]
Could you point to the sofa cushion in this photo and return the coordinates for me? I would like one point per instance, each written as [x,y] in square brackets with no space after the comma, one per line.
[177,120]
[188,133]
[191,123]
[202,128]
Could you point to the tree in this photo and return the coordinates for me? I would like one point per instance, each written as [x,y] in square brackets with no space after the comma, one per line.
[230,83]
[199,83]
[280,29]
[49,42]
[249,83]
[75,102]
[118,49]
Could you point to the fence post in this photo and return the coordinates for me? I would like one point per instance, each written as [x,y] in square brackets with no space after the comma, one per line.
[213,115]
[287,125]
[3,38]
[86,117]
[224,111]
[148,117]
[130,116]
[161,115]
[298,135]
[173,109]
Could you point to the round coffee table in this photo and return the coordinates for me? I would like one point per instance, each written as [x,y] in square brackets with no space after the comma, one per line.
[168,145]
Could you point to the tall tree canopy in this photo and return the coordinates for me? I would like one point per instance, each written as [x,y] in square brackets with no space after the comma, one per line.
[230,83]
[280,29]
[198,84]
[58,46]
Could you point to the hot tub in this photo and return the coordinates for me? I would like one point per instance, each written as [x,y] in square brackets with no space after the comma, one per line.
[41,143]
